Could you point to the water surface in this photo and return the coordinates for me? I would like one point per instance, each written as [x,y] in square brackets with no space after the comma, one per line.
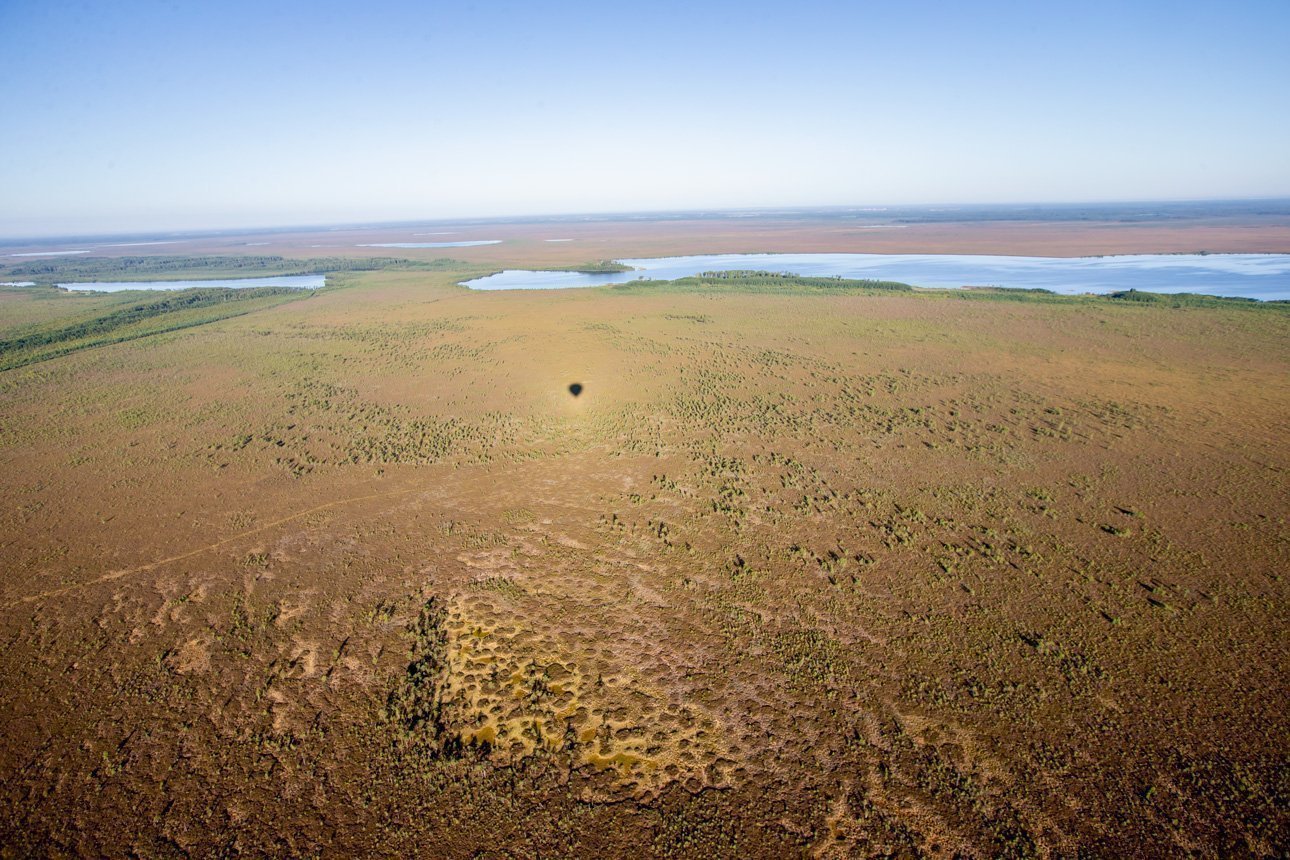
[48,253]
[1255,276]
[302,282]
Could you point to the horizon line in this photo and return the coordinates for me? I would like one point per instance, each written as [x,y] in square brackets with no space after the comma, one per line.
[611,214]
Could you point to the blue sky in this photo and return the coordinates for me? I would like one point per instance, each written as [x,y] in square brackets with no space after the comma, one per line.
[131,116]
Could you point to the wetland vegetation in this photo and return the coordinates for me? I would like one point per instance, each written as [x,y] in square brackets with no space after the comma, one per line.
[809,567]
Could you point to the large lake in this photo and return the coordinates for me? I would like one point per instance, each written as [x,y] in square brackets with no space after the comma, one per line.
[1255,276]
[301,282]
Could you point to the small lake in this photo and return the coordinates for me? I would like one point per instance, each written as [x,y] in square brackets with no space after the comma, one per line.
[1254,276]
[48,253]
[300,282]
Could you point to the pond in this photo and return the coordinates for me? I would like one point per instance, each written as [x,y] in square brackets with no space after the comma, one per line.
[1255,276]
[302,282]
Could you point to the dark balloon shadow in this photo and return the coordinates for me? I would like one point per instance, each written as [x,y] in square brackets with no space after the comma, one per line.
[575,389]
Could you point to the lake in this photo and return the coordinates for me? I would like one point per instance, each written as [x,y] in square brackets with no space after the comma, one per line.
[1254,276]
[301,282]
[48,253]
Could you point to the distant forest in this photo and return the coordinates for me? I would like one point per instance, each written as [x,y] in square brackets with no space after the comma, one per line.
[754,280]
[152,268]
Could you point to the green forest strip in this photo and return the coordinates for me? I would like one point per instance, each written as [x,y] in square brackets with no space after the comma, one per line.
[1123,297]
[174,311]
[208,267]
[787,283]
[753,281]
[1195,300]
[599,267]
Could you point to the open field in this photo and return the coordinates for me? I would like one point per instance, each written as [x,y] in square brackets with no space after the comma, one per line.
[860,573]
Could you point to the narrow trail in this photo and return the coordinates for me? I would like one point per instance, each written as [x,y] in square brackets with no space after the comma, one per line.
[129,571]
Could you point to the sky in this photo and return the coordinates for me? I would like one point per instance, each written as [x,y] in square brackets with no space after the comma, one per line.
[151,116]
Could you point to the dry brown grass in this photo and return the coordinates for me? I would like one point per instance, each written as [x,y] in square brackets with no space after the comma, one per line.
[844,576]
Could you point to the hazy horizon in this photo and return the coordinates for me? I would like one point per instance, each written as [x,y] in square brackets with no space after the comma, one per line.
[142,118]
[251,228]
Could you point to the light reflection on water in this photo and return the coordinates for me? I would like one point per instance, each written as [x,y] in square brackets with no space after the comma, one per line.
[303,282]
[1256,276]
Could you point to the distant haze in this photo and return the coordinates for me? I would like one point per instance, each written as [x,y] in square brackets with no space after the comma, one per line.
[135,116]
